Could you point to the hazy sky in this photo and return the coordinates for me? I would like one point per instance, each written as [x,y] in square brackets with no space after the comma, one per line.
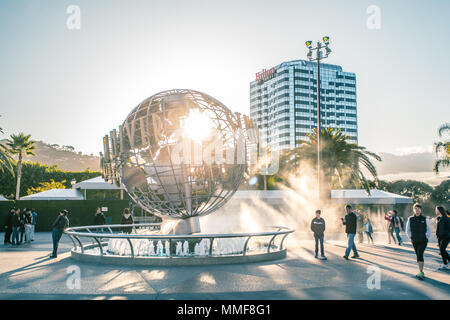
[72,86]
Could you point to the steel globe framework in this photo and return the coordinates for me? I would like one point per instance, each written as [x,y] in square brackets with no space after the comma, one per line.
[179,153]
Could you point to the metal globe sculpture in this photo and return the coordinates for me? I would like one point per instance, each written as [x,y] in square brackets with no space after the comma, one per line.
[179,154]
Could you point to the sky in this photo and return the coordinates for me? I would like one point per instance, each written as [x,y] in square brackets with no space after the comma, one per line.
[72,86]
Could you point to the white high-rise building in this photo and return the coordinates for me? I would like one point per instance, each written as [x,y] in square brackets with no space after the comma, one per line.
[283,102]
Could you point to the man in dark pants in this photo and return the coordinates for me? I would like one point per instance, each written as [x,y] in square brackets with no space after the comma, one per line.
[443,235]
[418,230]
[397,224]
[15,227]
[58,228]
[318,227]
[8,225]
[350,228]
[22,224]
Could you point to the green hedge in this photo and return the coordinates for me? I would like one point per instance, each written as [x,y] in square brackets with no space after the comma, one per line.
[81,212]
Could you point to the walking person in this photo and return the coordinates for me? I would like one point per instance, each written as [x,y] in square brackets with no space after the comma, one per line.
[443,235]
[389,228]
[397,223]
[418,230]
[33,225]
[61,223]
[318,228]
[368,229]
[126,219]
[8,225]
[15,227]
[350,228]
[27,221]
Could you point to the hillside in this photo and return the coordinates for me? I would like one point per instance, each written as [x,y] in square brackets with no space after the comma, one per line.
[414,162]
[414,166]
[63,157]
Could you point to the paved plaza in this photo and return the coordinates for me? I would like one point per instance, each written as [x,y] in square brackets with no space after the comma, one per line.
[26,272]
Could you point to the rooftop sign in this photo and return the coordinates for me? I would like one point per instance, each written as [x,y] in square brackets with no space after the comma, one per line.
[265,74]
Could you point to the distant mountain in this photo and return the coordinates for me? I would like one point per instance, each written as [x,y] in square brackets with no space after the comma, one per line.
[414,166]
[63,156]
[414,162]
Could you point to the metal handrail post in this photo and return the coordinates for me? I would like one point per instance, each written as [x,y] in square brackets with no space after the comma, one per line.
[211,246]
[270,243]
[131,247]
[245,246]
[99,246]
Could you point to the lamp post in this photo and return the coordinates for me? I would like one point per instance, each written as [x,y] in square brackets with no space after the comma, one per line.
[322,51]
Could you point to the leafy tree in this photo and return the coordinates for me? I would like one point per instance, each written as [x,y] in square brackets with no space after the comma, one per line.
[341,162]
[442,148]
[44,186]
[20,145]
[380,185]
[417,190]
[68,148]
[441,194]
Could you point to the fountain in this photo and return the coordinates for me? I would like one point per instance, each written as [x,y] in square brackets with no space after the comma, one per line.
[180,155]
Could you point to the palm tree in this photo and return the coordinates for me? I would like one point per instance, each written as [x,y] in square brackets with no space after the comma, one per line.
[341,162]
[20,145]
[442,148]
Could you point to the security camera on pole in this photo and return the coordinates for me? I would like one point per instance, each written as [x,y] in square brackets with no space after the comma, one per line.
[322,51]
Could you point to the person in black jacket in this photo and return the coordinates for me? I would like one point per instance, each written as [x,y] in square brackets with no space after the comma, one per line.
[15,227]
[99,219]
[350,228]
[59,225]
[418,230]
[22,225]
[318,228]
[127,218]
[8,225]
[443,235]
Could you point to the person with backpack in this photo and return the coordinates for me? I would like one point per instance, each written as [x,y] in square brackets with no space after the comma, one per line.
[318,228]
[443,235]
[61,223]
[349,221]
[397,224]
[418,230]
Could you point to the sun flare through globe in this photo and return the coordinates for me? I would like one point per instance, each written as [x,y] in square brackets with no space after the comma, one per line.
[197,125]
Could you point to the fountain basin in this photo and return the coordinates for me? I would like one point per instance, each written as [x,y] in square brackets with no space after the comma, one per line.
[147,247]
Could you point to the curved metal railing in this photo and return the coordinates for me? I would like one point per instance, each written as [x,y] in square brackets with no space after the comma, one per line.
[76,233]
